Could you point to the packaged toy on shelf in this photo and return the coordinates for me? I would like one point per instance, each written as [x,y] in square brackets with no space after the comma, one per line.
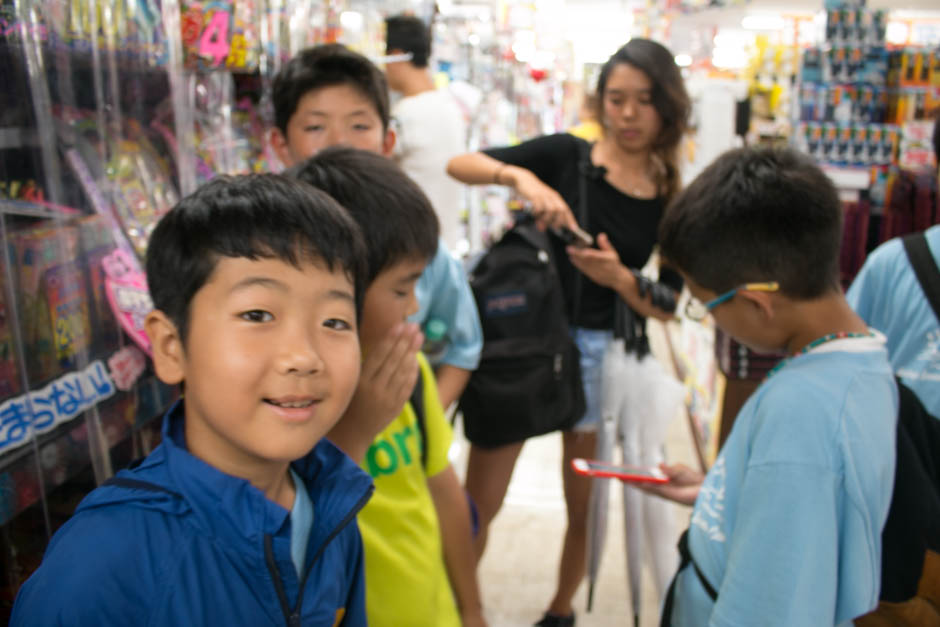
[97,243]
[51,295]
[9,375]
[141,188]
[220,35]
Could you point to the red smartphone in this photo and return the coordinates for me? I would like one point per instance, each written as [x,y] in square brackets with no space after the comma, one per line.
[636,474]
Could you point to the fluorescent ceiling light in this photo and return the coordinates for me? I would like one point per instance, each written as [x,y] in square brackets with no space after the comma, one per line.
[763,22]
[351,20]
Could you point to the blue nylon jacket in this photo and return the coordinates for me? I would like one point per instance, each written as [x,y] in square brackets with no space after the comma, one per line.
[190,545]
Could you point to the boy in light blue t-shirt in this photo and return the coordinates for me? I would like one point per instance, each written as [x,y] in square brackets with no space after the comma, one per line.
[786,526]
[887,294]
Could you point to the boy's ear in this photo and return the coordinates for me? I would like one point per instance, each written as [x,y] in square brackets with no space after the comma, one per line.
[167,346]
[388,143]
[762,301]
[279,144]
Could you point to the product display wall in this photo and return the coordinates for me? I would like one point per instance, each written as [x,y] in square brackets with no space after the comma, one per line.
[85,171]
[111,111]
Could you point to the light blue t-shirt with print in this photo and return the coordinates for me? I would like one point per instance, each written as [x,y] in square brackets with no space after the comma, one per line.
[887,295]
[787,526]
[301,523]
[444,293]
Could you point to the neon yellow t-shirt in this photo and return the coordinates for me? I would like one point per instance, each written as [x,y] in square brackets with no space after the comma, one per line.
[406,579]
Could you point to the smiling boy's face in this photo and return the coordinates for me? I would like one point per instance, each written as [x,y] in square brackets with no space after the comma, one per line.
[331,116]
[270,362]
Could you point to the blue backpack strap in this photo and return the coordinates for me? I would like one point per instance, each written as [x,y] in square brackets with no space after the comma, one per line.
[685,558]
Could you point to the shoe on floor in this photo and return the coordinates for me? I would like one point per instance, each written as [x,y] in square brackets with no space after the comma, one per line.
[554,620]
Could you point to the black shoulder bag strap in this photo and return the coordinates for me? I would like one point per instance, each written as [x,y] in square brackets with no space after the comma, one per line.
[581,216]
[685,558]
[417,404]
[925,267]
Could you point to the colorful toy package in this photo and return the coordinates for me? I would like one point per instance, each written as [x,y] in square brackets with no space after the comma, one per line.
[220,35]
[9,376]
[53,307]
[96,244]
[141,189]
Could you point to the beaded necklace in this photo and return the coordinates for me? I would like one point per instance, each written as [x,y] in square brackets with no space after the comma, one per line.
[840,335]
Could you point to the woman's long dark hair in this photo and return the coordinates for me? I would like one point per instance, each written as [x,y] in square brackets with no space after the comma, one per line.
[669,98]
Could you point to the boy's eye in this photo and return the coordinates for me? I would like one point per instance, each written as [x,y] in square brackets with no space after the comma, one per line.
[402,293]
[313,128]
[337,324]
[362,127]
[256,315]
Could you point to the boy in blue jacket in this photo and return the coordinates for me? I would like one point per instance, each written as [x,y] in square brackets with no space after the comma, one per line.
[786,525]
[244,515]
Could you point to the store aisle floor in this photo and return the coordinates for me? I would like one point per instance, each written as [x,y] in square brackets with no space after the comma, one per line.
[518,571]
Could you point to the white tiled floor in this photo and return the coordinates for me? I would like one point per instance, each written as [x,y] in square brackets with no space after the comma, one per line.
[518,571]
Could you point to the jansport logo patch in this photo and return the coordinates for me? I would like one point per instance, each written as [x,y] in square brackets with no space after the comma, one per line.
[505,304]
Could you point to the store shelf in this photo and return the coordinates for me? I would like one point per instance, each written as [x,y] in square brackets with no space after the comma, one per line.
[28,209]
[65,451]
[848,178]
[13,137]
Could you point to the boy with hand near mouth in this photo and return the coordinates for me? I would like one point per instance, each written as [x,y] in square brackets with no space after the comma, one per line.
[420,565]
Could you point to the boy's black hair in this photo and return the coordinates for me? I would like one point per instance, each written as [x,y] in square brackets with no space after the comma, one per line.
[258,216]
[396,218]
[409,34]
[327,65]
[757,214]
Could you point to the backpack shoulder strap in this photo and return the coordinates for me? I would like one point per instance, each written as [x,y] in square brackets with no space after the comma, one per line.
[925,267]
[581,213]
[584,165]
[685,559]
[417,404]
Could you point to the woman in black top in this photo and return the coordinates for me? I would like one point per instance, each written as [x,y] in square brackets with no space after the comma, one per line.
[632,173]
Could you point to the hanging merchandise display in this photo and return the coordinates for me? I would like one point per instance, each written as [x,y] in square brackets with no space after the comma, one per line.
[84,177]
[111,111]
[865,109]
[844,92]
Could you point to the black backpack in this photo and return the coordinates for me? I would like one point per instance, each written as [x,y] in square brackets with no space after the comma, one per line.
[911,536]
[529,379]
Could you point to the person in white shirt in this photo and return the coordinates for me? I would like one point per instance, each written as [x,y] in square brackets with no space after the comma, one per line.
[430,126]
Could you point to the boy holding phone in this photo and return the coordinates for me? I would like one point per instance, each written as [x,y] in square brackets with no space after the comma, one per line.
[786,525]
